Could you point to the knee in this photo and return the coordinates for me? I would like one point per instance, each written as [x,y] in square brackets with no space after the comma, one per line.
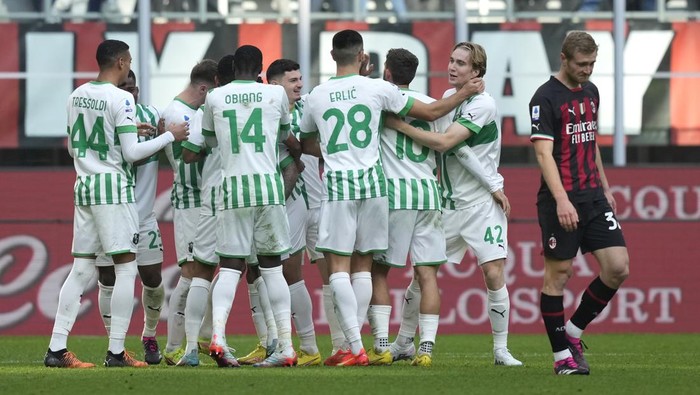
[150,278]
[106,277]
[618,273]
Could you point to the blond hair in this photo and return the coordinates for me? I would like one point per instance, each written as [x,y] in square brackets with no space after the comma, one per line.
[477,56]
[578,41]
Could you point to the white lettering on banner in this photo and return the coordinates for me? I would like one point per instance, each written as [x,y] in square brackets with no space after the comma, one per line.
[652,202]
[31,273]
[678,193]
[379,43]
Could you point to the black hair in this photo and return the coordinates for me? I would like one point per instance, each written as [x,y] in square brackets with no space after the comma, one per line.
[402,64]
[247,60]
[109,51]
[279,67]
[346,45]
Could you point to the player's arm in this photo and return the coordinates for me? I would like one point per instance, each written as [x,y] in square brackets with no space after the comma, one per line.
[134,151]
[439,108]
[192,153]
[442,142]
[603,179]
[568,217]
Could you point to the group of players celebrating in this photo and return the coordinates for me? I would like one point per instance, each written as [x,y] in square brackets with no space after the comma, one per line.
[361,174]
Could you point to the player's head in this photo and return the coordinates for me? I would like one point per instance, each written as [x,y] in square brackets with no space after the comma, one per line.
[578,55]
[348,47]
[467,61]
[224,70]
[114,54]
[247,62]
[129,85]
[203,79]
[286,72]
[400,66]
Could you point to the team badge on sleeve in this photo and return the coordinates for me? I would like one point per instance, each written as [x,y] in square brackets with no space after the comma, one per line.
[127,106]
[535,113]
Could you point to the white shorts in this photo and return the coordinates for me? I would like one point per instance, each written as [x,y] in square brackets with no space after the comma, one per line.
[185,227]
[312,220]
[205,238]
[241,232]
[105,229]
[354,225]
[418,232]
[150,248]
[297,216]
[482,227]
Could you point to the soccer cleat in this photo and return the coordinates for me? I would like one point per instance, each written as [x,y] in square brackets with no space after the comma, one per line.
[399,353]
[203,345]
[349,359]
[65,360]
[569,366]
[425,360]
[190,359]
[123,359]
[223,356]
[257,355]
[335,358]
[172,357]
[277,360]
[271,348]
[305,359]
[502,357]
[576,347]
[151,351]
[381,358]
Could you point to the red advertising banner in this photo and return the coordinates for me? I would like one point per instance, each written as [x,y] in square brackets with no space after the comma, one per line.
[659,210]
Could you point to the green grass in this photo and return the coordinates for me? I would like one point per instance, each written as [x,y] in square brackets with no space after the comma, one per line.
[620,364]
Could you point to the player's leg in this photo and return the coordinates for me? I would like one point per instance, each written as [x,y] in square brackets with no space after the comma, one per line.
[150,263]
[271,235]
[84,249]
[403,348]
[263,319]
[105,284]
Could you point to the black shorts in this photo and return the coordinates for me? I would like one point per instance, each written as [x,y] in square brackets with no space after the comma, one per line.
[598,228]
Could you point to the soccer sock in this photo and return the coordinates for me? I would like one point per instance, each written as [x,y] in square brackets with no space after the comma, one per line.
[197,300]
[122,304]
[426,348]
[379,316]
[593,301]
[69,301]
[152,300]
[410,309]
[428,328]
[256,311]
[267,311]
[104,302]
[222,299]
[302,314]
[176,314]
[205,329]
[337,335]
[552,309]
[362,286]
[280,302]
[346,309]
[499,314]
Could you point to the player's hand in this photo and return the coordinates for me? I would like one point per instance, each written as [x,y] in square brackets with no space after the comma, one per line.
[502,200]
[567,214]
[161,126]
[300,164]
[366,68]
[145,129]
[179,130]
[473,87]
[611,200]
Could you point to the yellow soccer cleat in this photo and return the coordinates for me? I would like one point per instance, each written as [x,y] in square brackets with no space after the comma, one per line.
[257,355]
[382,358]
[173,357]
[425,360]
[304,359]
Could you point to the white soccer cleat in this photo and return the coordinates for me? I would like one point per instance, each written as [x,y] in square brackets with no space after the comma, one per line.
[502,357]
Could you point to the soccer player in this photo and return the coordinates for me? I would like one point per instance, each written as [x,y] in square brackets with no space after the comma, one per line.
[415,223]
[149,257]
[246,120]
[186,200]
[205,258]
[105,220]
[575,207]
[475,209]
[345,113]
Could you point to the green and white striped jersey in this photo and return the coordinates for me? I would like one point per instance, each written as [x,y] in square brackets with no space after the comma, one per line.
[187,178]
[313,185]
[460,189]
[146,173]
[97,113]
[249,120]
[411,168]
[284,157]
[211,171]
[345,112]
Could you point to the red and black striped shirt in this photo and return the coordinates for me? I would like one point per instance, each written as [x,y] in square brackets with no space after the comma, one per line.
[569,118]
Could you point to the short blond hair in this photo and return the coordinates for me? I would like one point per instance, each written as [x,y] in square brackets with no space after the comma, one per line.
[578,41]
[477,55]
